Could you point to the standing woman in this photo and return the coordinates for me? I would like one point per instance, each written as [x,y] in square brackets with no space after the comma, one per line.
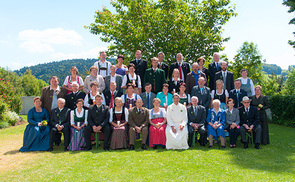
[37,132]
[90,97]
[131,77]
[121,68]
[262,103]
[78,119]
[185,98]
[232,121]
[157,120]
[73,78]
[220,94]
[175,81]
[201,62]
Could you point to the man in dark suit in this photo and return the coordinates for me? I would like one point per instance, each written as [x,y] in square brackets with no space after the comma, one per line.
[182,66]
[140,65]
[193,77]
[237,94]
[113,77]
[111,95]
[148,96]
[74,96]
[226,76]
[202,92]
[155,76]
[196,115]
[98,120]
[213,68]
[249,117]
[60,122]
[162,65]
[138,120]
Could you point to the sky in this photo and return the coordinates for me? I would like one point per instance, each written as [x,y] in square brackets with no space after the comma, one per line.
[34,32]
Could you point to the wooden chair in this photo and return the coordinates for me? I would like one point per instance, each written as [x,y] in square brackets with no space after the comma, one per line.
[249,135]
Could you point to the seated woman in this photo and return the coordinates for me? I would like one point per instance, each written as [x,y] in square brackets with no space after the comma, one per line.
[216,120]
[89,98]
[232,121]
[119,125]
[165,97]
[37,132]
[78,119]
[185,98]
[131,77]
[220,94]
[157,120]
[130,97]
[121,68]
[73,78]
[174,83]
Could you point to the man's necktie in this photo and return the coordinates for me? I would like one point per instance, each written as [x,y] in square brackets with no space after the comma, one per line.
[148,101]
[111,104]
[180,73]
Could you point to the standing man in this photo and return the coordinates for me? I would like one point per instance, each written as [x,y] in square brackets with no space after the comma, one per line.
[94,77]
[74,96]
[103,66]
[148,96]
[237,94]
[140,65]
[213,68]
[113,77]
[226,76]
[182,66]
[202,92]
[192,78]
[155,76]
[162,65]
[111,95]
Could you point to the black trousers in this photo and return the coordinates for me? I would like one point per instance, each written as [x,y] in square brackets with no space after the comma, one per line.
[54,136]
[257,133]
[107,135]
[233,135]
[201,130]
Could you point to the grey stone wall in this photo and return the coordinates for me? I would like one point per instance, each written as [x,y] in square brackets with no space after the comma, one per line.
[28,103]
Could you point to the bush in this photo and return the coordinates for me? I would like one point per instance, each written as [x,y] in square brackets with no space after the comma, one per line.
[10,117]
[282,109]
[8,95]
[3,124]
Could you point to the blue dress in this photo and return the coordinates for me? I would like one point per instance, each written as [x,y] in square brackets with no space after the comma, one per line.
[36,138]
[216,117]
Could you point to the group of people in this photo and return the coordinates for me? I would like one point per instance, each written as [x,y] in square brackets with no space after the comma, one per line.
[119,103]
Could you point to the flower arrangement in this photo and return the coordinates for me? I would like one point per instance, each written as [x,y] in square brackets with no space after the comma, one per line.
[44,123]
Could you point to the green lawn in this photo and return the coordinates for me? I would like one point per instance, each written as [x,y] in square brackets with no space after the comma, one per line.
[274,162]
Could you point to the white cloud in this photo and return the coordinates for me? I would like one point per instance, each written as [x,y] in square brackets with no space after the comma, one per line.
[92,53]
[36,47]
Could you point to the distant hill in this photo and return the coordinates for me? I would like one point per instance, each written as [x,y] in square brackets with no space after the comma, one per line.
[272,68]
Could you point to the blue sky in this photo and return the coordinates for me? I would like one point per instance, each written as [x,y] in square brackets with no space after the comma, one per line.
[34,32]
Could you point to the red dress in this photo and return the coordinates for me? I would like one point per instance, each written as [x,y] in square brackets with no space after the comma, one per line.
[157,136]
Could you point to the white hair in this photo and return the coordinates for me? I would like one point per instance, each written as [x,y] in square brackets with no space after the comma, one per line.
[61,99]
[195,97]
[215,101]
[76,83]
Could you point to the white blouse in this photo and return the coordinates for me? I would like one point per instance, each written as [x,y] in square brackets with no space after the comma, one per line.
[126,114]
[79,115]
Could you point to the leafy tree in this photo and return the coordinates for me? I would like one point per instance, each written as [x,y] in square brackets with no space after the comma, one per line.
[270,84]
[291,5]
[191,27]
[289,86]
[31,85]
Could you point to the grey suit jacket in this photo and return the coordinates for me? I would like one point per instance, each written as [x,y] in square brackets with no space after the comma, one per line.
[232,118]
[107,81]
[144,99]
[199,118]
[205,98]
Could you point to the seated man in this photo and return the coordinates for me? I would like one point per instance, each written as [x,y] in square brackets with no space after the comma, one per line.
[148,96]
[74,96]
[111,94]
[138,123]
[196,121]
[249,119]
[98,120]
[60,122]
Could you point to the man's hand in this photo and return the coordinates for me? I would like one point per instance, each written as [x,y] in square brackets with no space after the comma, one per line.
[173,129]
[138,129]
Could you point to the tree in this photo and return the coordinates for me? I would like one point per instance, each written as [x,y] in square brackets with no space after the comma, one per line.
[289,86]
[31,85]
[188,26]
[291,5]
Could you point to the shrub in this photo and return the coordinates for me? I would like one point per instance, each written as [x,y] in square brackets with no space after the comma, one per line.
[10,117]
[3,124]
[8,95]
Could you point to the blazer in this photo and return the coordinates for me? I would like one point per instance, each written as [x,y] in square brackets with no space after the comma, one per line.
[140,68]
[157,79]
[232,118]
[165,68]
[212,70]
[205,98]
[136,118]
[161,96]
[72,98]
[107,81]
[98,116]
[233,95]
[229,85]
[190,81]
[199,118]
[173,86]
[251,119]
[108,96]
[60,117]
[144,99]
[185,68]
[46,97]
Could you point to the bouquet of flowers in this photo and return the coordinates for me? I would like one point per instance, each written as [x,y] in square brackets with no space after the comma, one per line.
[260,106]
[44,123]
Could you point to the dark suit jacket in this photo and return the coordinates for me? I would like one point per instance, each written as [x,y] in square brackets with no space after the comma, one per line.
[212,70]
[144,99]
[61,118]
[251,119]
[200,118]
[205,98]
[229,80]
[158,77]
[190,81]
[108,96]
[173,86]
[185,68]
[72,98]
[140,68]
[165,69]
[107,81]
[136,118]
[46,97]
[233,95]
[98,116]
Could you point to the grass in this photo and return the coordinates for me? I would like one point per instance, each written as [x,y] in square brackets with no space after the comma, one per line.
[275,162]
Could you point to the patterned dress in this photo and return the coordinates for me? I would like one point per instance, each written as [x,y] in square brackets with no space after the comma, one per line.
[77,141]
[119,135]
[157,136]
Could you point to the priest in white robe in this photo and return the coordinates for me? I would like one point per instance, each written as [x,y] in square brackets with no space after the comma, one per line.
[176,130]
